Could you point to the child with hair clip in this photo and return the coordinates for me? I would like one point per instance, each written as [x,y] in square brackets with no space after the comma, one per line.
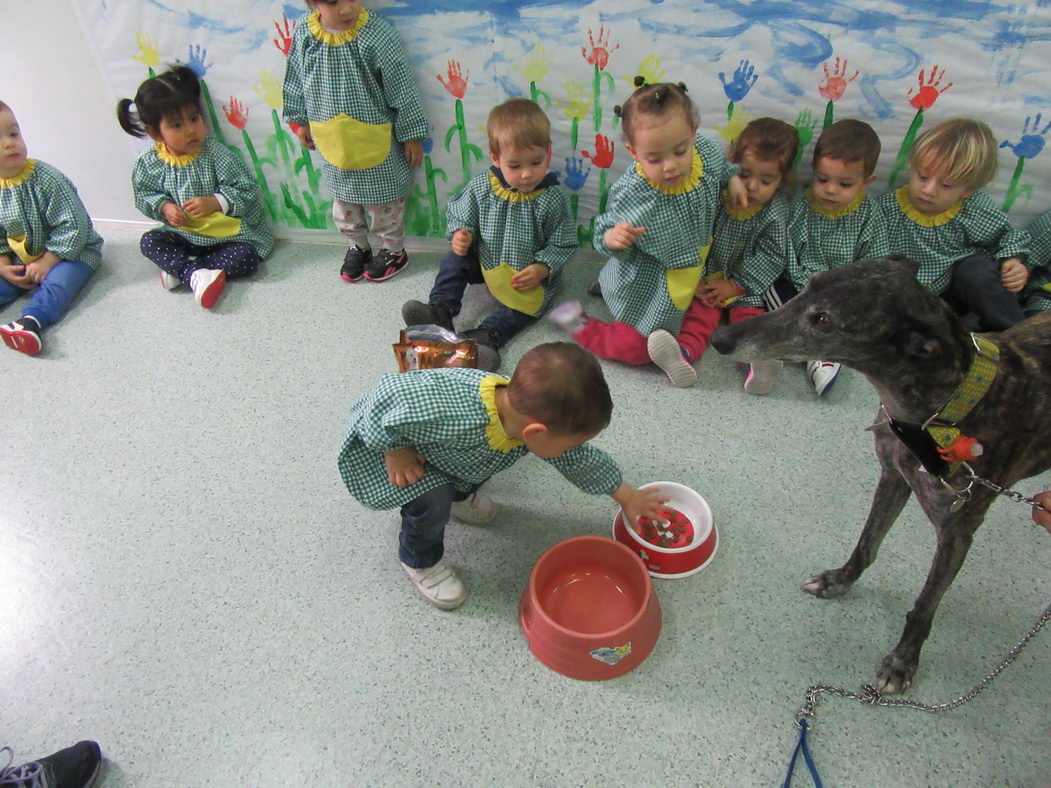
[511,228]
[353,98]
[1037,295]
[424,441]
[656,230]
[48,246]
[215,226]
[966,247]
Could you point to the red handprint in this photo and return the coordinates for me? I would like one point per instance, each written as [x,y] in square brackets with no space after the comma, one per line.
[457,85]
[603,155]
[835,83]
[929,93]
[600,52]
[236,113]
[284,37]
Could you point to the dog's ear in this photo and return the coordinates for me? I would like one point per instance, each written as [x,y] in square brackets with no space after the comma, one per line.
[919,345]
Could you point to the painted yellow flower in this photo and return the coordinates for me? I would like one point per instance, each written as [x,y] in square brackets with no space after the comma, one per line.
[650,70]
[538,65]
[576,104]
[148,55]
[269,89]
[735,125]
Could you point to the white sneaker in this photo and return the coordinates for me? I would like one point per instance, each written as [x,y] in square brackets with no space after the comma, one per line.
[438,584]
[207,284]
[568,316]
[665,352]
[822,374]
[478,509]
[169,282]
[761,376]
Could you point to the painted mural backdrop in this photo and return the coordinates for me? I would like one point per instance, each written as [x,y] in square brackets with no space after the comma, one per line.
[898,64]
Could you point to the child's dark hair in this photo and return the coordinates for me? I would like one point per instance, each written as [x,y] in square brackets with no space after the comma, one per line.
[561,386]
[768,139]
[849,141]
[656,100]
[159,97]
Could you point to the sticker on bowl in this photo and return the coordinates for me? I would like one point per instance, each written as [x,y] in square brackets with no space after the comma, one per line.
[611,656]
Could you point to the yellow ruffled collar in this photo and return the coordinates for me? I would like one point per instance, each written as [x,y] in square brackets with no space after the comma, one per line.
[921,218]
[740,214]
[22,177]
[336,39]
[494,430]
[687,184]
[511,195]
[168,157]
[835,213]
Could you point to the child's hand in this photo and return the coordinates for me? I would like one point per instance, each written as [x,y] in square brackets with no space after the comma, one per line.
[461,242]
[173,214]
[414,152]
[638,503]
[1043,517]
[305,138]
[622,235]
[530,277]
[38,270]
[199,207]
[404,466]
[717,292]
[14,273]
[1013,274]
[738,192]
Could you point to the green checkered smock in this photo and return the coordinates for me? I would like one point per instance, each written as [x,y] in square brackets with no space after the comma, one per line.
[751,247]
[449,416]
[825,239]
[40,211]
[360,97]
[160,177]
[650,285]
[1037,294]
[513,230]
[972,226]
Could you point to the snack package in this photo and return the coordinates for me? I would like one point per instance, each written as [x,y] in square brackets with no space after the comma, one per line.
[432,347]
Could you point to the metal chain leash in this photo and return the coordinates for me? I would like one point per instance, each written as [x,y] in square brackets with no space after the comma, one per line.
[1014,495]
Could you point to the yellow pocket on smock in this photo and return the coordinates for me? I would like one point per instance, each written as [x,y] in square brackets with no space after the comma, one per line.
[214,225]
[18,246]
[682,284]
[498,280]
[350,144]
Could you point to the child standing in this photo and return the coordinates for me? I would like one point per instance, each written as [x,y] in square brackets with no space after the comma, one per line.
[426,440]
[833,222]
[353,97]
[48,246]
[202,191]
[656,231]
[511,228]
[966,247]
[1037,295]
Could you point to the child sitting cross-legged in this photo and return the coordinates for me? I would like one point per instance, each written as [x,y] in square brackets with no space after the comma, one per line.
[424,441]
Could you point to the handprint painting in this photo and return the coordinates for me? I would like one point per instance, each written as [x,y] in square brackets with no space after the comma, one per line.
[898,66]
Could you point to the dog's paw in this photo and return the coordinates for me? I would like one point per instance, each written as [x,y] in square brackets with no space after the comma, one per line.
[894,675]
[827,585]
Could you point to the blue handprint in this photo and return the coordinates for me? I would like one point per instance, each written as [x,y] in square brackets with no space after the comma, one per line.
[743,80]
[1031,143]
[198,55]
[576,175]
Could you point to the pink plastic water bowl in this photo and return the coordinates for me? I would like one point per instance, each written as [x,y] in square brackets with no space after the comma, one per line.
[589,610]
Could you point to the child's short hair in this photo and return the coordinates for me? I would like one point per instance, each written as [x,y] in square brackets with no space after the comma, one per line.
[769,139]
[3,106]
[518,123]
[962,150]
[655,100]
[159,97]
[560,385]
[849,141]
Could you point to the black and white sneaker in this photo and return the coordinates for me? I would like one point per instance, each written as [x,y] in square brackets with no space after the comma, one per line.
[22,335]
[73,767]
[354,263]
[385,265]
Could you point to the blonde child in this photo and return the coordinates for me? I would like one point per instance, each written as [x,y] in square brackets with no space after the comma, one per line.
[426,440]
[215,228]
[48,247]
[656,231]
[511,228]
[350,92]
[1037,295]
[833,222]
[966,247]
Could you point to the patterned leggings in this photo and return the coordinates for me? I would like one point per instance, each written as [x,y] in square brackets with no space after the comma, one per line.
[181,257]
[386,220]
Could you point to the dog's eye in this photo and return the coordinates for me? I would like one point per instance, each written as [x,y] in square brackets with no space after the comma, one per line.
[821,321]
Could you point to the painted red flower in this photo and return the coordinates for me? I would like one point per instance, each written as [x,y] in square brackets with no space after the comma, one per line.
[603,155]
[284,36]
[457,84]
[835,83]
[236,113]
[929,91]
[600,51]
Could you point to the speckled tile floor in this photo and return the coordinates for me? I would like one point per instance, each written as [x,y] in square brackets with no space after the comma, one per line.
[185,580]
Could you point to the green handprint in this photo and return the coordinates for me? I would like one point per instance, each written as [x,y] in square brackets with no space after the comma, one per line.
[805,125]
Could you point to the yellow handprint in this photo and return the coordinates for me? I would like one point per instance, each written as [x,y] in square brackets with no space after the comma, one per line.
[538,66]
[735,125]
[650,70]
[576,104]
[148,55]
[269,89]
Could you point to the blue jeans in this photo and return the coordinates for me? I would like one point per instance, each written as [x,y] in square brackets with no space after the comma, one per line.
[455,272]
[423,520]
[52,297]
[975,287]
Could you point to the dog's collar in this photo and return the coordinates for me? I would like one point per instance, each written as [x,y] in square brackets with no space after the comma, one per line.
[938,443]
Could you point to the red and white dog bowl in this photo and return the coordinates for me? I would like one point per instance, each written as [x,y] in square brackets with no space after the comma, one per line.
[691,548]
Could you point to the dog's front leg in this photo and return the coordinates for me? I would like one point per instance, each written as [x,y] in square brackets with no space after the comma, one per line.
[892,493]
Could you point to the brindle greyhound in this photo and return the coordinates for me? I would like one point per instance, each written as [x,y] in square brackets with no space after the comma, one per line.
[873,316]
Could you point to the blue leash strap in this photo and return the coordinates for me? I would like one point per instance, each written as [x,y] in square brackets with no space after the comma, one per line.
[801,746]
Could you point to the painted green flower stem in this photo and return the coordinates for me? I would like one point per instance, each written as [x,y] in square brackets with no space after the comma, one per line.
[902,160]
[260,178]
[467,150]
[536,94]
[596,91]
[729,111]
[1012,189]
[830,114]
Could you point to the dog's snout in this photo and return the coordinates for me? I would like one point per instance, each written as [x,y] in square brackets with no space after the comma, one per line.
[724,340]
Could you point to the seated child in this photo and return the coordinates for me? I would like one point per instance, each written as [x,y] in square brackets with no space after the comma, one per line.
[510,228]
[202,191]
[48,246]
[426,440]
[966,247]
[657,229]
[833,222]
[1037,295]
